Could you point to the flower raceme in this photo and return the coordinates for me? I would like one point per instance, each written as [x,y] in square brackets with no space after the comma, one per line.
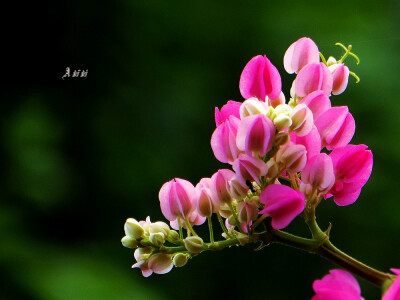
[286,157]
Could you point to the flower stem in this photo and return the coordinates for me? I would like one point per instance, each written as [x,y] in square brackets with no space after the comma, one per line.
[210,228]
[221,222]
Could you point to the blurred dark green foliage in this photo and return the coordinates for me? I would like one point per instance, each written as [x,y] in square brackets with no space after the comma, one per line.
[81,155]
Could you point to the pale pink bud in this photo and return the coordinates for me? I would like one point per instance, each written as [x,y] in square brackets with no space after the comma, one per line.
[338,285]
[292,156]
[318,102]
[302,120]
[229,109]
[319,172]
[282,203]
[223,141]
[312,141]
[313,77]
[353,166]
[255,134]
[340,75]
[336,127]
[252,107]
[220,189]
[238,188]
[302,52]
[205,204]
[144,267]
[275,102]
[177,198]
[249,168]
[141,255]
[393,292]
[260,78]
[247,211]
[160,263]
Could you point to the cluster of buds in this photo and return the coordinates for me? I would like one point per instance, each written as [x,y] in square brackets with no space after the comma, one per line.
[285,157]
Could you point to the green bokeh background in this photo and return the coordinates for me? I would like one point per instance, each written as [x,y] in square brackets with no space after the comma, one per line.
[81,155]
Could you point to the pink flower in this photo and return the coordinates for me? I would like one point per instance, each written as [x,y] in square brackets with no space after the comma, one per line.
[205,203]
[220,188]
[337,285]
[255,134]
[393,293]
[302,52]
[223,141]
[340,75]
[302,120]
[293,157]
[260,78]
[229,109]
[282,203]
[312,141]
[318,102]
[313,77]
[248,168]
[238,188]
[319,173]
[353,166]
[177,198]
[336,127]
[247,211]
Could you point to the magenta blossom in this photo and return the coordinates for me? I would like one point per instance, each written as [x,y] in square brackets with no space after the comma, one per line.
[336,127]
[340,75]
[260,78]
[282,203]
[393,293]
[353,166]
[337,285]
[312,141]
[229,109]
[223,141]
[302,52]
[177,198]
[318,173]
[255,134]
[249,168]
[318,102]
[220,187]
[313,77]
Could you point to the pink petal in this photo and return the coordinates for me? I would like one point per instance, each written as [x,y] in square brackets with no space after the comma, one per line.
[229,109]
[340,75]
[260,78]
[393,293]
[302,52]
[223,141]
[282,203]
[318,102]
[313,77]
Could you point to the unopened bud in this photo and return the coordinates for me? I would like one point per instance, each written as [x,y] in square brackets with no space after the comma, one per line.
[242,238]
[252,106]
[302,120]
[129,242]
[282,122]
[159,227]
[273,168]
[281,138]
[173,236]
[331,61]
[193,244]
[157,239]
[180,260]
[232,221]
[133,228]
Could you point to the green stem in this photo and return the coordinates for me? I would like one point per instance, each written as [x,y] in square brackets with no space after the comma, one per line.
[235,217]
[189,227]
[221,222]
[210,228]
[180,228]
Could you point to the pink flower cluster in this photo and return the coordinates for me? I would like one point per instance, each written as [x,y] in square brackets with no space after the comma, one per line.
[281,154]
[341,285]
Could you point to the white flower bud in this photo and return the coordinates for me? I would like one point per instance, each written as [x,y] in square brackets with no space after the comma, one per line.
[129,242]
[157,239]
[180,260]
[331,61]
[282,121]
[193,244]
[159,227]
[173,236]
[252,106]
[133,228]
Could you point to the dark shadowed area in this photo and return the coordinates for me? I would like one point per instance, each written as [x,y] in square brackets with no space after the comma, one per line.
[81,155]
